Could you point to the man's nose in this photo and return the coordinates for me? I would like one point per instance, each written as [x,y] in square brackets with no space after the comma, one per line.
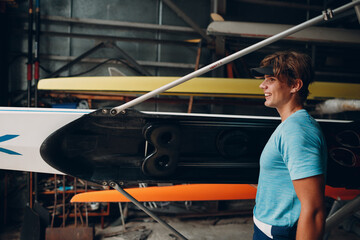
[262,85]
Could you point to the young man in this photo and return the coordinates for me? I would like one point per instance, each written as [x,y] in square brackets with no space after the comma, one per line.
[290,193]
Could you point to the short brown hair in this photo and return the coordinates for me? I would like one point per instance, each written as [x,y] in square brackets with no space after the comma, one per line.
[293,65]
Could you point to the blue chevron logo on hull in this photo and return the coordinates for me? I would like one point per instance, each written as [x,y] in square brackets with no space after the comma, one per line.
[8,137]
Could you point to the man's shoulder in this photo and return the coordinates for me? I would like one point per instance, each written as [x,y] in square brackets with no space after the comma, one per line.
[300,119]
[301,124]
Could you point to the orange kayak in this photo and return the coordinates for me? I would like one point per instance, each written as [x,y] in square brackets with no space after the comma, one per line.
[194,192]
[190,192]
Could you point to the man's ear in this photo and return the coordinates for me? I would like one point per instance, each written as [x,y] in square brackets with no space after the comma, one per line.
[298,83]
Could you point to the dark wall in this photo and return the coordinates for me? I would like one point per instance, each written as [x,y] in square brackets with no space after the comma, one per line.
[4,65]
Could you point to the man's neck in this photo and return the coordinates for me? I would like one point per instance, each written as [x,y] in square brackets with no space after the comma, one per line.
[288,110]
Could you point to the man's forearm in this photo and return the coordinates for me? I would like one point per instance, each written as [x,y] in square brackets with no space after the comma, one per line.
[311,225]
[310,192]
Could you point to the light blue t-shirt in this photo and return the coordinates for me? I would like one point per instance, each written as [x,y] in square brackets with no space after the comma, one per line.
[296,150]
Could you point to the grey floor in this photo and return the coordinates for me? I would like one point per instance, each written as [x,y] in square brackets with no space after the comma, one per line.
[227,228]
[196,221]
[199,229]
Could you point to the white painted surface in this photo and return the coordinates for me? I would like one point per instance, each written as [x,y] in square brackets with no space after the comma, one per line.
[33,126]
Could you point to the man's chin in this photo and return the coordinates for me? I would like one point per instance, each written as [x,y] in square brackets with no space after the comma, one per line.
[268,104]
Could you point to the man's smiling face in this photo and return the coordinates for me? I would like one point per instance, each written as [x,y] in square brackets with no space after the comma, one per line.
[277,92]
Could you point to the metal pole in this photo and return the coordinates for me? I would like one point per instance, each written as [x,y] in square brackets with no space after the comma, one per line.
[36,76]
[146,210]
[55,202]
[132,61]
[75,205]
[187,19]
[325,16]
[357,10]
[37,50]
[30,53]
[63,201]
[29,83]
[78,59]
[86,207]
[335,207]
[339,216]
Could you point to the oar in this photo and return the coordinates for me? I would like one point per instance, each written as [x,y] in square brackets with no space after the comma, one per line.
[325,16]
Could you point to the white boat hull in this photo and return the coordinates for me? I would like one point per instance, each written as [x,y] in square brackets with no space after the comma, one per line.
[22,131]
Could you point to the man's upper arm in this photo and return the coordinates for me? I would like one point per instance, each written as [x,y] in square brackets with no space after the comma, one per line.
[310,191]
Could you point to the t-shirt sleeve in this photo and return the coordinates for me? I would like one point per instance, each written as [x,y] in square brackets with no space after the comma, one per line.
[302,151]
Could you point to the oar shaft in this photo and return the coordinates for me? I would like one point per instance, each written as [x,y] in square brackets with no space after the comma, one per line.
[232,57]
[146,210]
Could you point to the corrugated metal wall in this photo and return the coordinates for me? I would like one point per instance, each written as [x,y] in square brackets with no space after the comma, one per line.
[56,50]
[71,28]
